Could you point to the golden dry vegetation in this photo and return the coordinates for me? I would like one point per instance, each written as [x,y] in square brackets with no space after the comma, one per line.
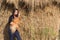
[40,19]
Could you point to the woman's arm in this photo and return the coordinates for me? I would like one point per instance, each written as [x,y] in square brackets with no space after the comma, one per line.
[11,23]
[10,19]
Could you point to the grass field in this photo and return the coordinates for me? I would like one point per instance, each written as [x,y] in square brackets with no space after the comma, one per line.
[38,22]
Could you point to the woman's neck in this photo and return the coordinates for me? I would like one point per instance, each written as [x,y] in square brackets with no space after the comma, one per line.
[15,17]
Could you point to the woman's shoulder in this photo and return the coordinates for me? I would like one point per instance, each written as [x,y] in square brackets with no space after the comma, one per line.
[10,18]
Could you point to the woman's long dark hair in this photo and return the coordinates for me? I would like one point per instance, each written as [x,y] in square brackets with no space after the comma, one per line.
[14,12]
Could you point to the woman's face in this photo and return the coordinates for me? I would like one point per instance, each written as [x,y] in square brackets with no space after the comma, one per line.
[16,12]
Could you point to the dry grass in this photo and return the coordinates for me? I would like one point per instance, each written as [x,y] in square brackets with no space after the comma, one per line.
[40,24]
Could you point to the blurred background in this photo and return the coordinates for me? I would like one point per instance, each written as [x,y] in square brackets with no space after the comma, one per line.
[40,19]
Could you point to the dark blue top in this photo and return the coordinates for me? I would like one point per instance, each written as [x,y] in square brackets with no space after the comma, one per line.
[10,19]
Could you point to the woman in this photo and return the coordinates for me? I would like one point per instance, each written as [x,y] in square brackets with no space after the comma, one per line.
[13,29]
